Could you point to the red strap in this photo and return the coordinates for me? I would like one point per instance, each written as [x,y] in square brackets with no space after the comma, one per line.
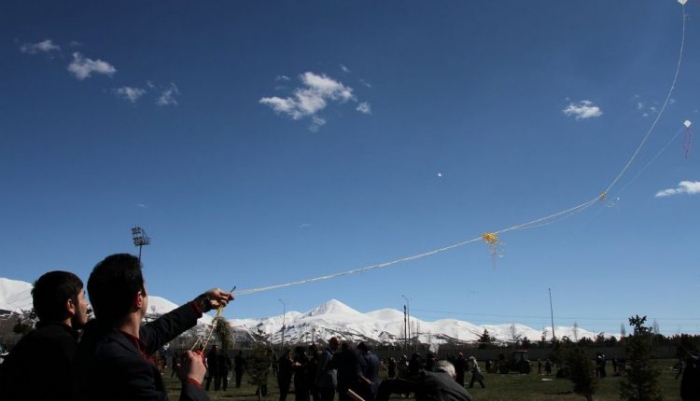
[193,382]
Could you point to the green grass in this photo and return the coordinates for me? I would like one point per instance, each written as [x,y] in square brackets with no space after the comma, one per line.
[509,387]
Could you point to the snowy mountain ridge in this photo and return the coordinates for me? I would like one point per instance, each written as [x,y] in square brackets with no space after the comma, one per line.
[332,318]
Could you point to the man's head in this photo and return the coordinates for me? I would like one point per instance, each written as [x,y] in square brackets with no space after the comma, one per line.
[333,343]
[364,348]
[58,296]
[116,288]
[447,367]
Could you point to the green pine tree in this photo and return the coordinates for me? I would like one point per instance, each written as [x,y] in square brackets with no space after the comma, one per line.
[581,371]
[641,381]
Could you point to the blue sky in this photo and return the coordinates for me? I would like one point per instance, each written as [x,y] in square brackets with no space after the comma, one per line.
[260,143]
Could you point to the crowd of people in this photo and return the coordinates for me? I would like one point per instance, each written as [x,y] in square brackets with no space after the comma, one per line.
[352,373]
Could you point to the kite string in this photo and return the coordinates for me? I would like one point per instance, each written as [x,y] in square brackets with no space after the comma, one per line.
[524,226]
[653,159]
[661,112]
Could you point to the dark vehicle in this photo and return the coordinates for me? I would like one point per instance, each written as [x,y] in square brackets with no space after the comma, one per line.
[518,362]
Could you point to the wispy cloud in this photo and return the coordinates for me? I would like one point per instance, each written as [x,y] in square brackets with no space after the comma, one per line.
[313,96]
[129,93]
[364,108]
[282,78]
[316,123]
[583,110]
[46,46]
[83,67]
[169,96]
[685,187]
[345,69]
[141,205]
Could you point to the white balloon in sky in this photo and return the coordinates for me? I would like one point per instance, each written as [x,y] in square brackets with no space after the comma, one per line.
[687,123]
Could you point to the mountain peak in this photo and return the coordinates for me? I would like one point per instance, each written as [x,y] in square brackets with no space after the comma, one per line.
[334,307]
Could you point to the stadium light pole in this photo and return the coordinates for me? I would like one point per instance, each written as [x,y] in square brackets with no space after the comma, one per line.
[408,317]
[284,321]
[140,238]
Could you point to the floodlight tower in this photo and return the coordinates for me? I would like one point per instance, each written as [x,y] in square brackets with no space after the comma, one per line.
[140,238]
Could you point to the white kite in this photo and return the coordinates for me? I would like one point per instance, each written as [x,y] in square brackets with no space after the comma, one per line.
[683,1]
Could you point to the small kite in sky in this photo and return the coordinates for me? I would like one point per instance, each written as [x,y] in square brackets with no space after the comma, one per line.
[688,140]
[439,175]
[682,1]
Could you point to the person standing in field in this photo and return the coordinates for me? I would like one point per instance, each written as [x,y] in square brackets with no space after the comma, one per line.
[326,376]
[239,361]
[284,374]
[476,373]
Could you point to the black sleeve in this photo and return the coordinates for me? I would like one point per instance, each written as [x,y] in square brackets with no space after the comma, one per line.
[167,327]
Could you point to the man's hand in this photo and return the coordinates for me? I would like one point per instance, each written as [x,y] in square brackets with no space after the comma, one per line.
[191,366]
[213,299]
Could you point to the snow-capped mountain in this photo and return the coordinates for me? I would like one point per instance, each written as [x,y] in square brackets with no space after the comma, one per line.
[386,326]
[332,318]
[15,296]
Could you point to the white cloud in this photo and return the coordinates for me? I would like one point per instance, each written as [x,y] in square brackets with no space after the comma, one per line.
[583,110]
[45,46]
[169,96]
[141,205]
[640,105]
[365,83]
[364,108]
[685,187]
[129,93]
[282,78]
[82,68]
[312,97]
[345,69]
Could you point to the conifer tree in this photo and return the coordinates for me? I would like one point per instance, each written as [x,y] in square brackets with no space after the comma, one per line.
[641,382]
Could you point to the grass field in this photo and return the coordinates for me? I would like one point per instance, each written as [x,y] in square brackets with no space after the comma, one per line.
[509,387]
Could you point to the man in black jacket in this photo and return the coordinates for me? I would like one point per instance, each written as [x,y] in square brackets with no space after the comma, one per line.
[113,359]
[39,366]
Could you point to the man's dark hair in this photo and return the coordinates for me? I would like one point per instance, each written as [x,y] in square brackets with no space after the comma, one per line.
[50,293]
[113,284]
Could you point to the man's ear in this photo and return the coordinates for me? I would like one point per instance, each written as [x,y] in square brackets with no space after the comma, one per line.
[70,307]
[138,300]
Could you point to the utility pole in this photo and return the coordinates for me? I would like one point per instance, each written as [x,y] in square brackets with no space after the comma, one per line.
[405,327]
[551,313]
[284,322]
[408,318]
